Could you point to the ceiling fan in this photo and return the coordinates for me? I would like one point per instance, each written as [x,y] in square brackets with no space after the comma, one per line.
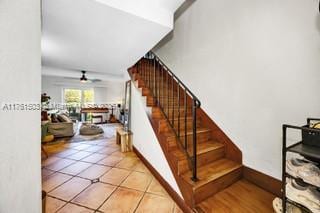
[84,78]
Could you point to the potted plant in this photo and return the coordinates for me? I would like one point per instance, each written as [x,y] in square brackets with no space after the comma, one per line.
[45,99]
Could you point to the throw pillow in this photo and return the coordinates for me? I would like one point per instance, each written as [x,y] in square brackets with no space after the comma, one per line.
[54,118]
[64,118]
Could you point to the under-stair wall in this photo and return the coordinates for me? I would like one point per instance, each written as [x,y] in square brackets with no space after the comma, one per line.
[144,139]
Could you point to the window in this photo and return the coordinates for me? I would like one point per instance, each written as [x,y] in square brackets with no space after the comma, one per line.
[88,96]
[77,97]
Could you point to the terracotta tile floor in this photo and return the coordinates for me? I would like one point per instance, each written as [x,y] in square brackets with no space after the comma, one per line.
[94,176]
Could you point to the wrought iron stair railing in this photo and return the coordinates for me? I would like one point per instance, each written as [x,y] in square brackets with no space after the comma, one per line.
[178,104]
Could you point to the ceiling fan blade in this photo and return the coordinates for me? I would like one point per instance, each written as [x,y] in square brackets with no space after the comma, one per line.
[95,80]
[71,78]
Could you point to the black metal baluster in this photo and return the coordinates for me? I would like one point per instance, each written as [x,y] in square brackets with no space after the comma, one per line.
[159,84]
[140,74]
[172,97]
[137,69]
[147,74]
[185,120]
[142,69]
[156,83]
[159,81]
[162,92]
[168,95]
[194,142]
[154,77]
[178,109]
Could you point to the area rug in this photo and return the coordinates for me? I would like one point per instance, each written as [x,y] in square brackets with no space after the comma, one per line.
[109,131]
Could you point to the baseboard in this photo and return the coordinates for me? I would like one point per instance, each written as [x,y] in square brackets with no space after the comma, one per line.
[179,201]
[262,180]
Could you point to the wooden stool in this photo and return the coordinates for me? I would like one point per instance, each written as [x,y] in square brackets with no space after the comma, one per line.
[125,139]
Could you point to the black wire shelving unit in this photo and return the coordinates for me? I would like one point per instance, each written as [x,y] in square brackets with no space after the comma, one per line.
[308,151]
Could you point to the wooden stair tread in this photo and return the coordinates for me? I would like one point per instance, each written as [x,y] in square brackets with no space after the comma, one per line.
[211,172]
[201,148]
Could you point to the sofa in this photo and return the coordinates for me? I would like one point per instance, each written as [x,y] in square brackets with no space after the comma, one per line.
[61,129]
[60,125]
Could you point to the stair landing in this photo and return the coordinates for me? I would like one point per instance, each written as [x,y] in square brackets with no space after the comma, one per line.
[241,196]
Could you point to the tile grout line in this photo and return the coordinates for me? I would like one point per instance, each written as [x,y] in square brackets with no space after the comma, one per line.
[68,202]
[97,163]
[142,196]
[72,176]
[113,192]
[59,171]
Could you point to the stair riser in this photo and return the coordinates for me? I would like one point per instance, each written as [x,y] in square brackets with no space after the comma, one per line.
[163,98]
[201,137]
[150,101]
[159,83]
[171,111]
[164,125]
[202,159]
[214,187]
[156,114]
[160,115]
[174,144]
[164,102]
[134,76]
[147,92]
[160,79]
[175,110]
[172,102]
[164,89]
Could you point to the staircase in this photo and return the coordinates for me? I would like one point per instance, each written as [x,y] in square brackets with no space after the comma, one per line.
[202,158]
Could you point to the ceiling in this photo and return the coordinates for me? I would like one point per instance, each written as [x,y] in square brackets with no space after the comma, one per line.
[101,36]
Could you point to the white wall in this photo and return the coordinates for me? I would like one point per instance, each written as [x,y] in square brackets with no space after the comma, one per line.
[112,94]
[254,65]
[20,178]
[144,139]
[54,91]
